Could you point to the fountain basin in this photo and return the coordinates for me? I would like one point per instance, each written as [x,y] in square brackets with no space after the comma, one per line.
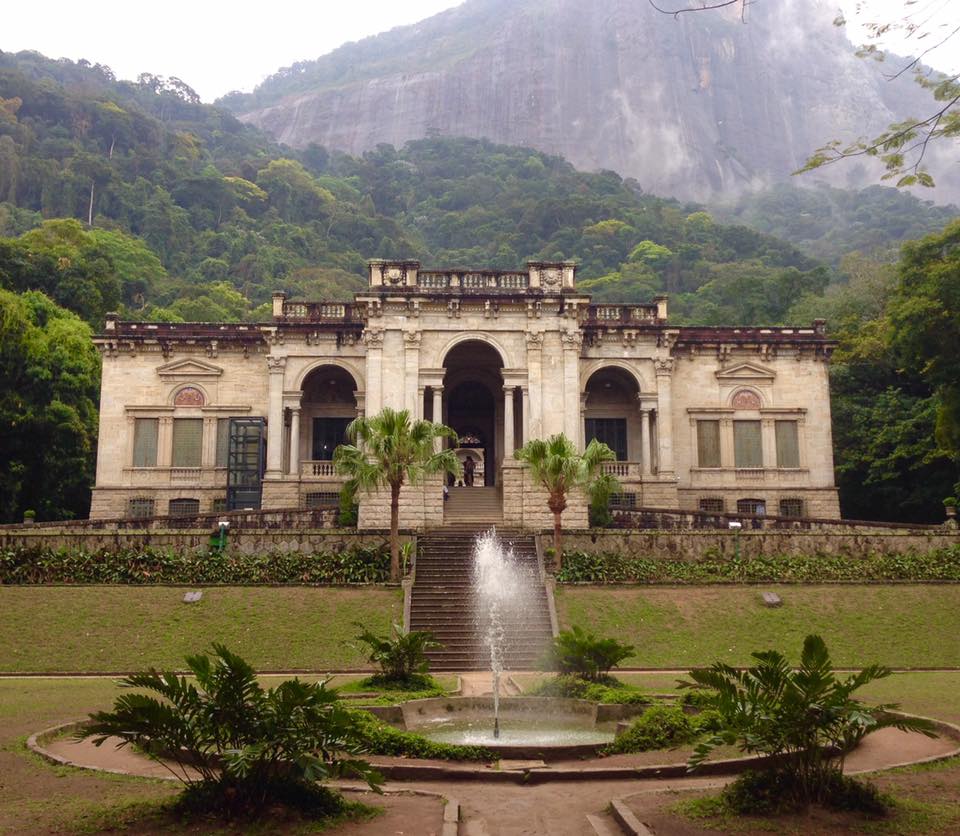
[549,728]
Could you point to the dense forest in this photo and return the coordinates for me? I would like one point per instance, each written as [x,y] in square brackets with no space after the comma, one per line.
[134,196]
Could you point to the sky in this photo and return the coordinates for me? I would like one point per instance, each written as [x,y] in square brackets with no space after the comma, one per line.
[215,46]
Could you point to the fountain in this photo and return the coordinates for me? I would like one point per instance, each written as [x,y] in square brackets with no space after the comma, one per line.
[500,590]
[505,591]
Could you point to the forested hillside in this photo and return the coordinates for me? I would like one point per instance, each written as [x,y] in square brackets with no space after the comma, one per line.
[136,197]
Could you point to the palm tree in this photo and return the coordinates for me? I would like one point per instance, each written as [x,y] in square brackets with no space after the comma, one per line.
[390,450]
[556,464]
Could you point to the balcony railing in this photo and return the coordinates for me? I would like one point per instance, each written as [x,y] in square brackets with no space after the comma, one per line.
[622,315]
[318,311]
[473,280]
[624,470]
[318,470]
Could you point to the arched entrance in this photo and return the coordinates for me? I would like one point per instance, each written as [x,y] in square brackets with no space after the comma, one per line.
[473,387]
[327,406]
[611,412]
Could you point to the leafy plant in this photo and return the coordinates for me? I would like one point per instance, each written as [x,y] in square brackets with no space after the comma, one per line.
[806,720]
[400,656]
[578,652]
[391,450]
[610,692]
[559,468]
[599,492]
[659,727]
[383,739]
[348,511]
[237,747]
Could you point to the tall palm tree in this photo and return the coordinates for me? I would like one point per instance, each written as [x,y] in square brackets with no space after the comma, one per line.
[558,467]
[390,450]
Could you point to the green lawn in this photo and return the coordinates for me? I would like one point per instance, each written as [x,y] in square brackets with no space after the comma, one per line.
[112,628]
[896,625]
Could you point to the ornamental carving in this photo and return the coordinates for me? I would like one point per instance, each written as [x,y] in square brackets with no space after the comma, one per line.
[745,399]
[412,338]
[663,365]
[572,339]
[276,365]
[395,275]
[534,340]
[550,277]
[373,338]
[188,396]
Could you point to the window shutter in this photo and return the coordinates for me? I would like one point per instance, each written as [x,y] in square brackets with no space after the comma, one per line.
[788,445]
[187,442]
[223,441]
[747,446]
[708,443]
[145,442]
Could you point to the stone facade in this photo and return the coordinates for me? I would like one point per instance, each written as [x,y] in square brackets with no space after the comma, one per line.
[721,418]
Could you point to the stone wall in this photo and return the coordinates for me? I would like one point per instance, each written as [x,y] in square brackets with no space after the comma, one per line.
[525,502]
[692,545]
[421,506]
[250,541]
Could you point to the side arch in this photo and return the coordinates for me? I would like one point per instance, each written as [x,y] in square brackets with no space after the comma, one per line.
[473,336]
[350,368]
[591,367]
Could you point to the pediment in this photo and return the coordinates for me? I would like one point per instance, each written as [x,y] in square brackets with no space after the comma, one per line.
[190,368]
[746,373]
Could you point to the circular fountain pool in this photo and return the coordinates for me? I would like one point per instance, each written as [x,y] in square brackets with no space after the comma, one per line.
[529,726]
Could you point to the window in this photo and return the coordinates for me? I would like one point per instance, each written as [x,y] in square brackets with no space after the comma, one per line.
[145,442]
[141,507]
[223,442]
[328,434]
[184,507]
[747,447]
[219,504]
[187,442]
[791,507]
[708,443]
[711,504]
[623,500]
[751,506]
[611,431]
[321,499]
[788,446]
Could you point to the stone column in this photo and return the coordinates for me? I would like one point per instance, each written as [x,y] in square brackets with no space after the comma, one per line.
[294,463]
[525,417]
[572,340]
[411,367]
[508,446]
[664,371]
[276,367]
[535,372]
[583,421]
[373,339]
[646,459]
[437,412]
[165,441]
[726,442]
[421,412]
[768,442]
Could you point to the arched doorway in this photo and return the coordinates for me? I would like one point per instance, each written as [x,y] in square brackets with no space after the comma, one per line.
[473,397]
[611,412]
[327,406]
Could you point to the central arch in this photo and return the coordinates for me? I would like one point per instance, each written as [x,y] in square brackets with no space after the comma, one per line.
[473,400]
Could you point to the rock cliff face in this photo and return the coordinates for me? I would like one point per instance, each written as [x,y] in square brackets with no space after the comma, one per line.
[692,107]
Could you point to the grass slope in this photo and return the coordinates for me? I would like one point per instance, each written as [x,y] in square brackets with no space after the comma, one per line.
[901,626]
[129,628]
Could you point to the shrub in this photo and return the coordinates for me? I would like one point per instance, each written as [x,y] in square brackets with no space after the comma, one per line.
[659,727]
[238,748]
[383,739]
[806,719]
[34,565]
[400,655]
[770,793]
[573,687]
[348,511]
[583,654]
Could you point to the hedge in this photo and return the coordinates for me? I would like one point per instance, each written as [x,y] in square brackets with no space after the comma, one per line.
[38,565]
[935,565]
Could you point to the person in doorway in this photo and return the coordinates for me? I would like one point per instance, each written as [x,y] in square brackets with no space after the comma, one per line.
[468,468]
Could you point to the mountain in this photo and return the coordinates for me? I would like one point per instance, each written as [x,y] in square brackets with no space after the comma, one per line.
[692,107]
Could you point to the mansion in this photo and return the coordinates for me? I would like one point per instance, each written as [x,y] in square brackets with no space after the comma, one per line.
[200,417]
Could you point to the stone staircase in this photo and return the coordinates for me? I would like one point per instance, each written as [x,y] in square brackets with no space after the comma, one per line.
[442,602]
[478,507]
